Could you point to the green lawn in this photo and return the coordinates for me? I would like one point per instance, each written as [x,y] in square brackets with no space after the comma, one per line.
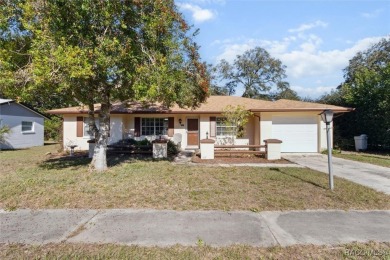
[381,160]
[371,250]
[28,179]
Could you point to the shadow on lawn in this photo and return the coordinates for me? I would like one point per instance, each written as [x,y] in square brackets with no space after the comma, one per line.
[80,161]
[65,162]
[298,177]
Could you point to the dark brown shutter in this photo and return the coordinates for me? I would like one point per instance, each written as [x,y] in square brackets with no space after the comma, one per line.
[80,126]
[213,126]
[171,126]
[137,126]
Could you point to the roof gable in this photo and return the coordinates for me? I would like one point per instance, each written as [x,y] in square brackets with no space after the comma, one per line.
[4,102]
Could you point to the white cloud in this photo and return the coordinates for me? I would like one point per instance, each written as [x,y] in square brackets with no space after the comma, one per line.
[307,60]
[231,48]
[198,14]
[304,59]
[313,92]
[372,14]
[307,26]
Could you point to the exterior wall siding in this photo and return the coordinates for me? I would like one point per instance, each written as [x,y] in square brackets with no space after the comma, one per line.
[70,132]
[12,115]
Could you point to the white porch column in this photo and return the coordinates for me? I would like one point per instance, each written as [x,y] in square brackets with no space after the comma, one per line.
[273,149]
[207,149]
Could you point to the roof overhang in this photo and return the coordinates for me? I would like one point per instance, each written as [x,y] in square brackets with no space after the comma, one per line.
[196,112]
[303,110]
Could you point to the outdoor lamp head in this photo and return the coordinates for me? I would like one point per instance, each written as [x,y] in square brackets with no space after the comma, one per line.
[327,116]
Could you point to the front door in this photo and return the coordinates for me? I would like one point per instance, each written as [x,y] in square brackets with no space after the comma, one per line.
[192,131]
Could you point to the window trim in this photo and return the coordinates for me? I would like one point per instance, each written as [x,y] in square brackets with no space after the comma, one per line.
[165,126]
[219,120]
[31,131]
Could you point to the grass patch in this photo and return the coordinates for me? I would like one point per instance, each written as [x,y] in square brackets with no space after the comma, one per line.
[29,180]
[381,160]
[371,250]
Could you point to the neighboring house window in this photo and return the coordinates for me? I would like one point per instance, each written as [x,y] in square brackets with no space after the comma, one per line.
[27,126]
[222,128]
[154,126]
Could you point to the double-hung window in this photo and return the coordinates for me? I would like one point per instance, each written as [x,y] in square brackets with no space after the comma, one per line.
[223,129]
[27,127]
[154,126]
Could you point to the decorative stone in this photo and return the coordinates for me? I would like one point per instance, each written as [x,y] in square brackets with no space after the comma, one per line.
[160,148]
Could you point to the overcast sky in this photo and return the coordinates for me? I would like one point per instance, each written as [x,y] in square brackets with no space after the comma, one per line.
[314,39]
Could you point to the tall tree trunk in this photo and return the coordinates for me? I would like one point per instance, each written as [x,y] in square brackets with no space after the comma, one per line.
[99,160]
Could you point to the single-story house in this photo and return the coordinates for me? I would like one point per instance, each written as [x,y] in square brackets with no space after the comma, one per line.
[298,124]
[26,125]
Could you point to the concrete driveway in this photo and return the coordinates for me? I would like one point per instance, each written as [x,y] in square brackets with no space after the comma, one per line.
[373,176]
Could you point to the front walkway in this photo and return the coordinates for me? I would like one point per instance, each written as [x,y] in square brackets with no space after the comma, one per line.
[189,228]
[373,176]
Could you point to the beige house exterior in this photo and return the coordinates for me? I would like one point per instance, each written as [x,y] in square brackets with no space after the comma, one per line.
[298,124]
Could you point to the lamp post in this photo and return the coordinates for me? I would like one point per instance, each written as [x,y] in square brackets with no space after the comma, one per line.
[327,117]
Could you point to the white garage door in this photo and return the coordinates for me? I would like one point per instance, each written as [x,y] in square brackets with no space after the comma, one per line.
[299,134]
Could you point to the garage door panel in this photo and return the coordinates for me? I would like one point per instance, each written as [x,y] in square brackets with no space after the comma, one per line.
[299,134]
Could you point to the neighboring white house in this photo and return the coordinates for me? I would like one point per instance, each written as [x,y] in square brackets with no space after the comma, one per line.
[296,123]
[26,125]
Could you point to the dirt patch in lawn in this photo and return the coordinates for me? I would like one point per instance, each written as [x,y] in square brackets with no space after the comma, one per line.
[237,159]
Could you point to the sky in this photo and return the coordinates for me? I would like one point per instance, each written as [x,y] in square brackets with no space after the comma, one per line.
[315,39]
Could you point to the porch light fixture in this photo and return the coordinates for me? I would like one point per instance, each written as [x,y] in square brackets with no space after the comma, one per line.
[327,117]
[180,122]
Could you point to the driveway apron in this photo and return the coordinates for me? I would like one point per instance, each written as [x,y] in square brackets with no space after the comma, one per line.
[373,176]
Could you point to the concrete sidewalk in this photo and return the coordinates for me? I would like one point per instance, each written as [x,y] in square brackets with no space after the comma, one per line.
[373,176]
[215,228]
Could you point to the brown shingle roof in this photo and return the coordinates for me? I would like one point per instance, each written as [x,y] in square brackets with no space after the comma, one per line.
[214,104]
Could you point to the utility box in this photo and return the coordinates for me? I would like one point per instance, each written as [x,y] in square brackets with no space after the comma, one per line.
[361,142]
